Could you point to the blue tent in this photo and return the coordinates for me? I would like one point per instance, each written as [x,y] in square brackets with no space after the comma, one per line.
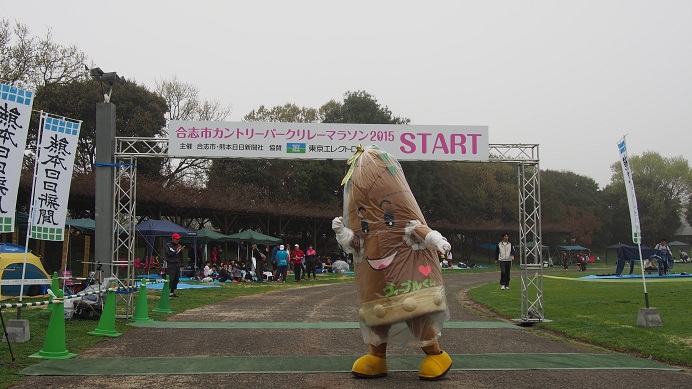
[152,228]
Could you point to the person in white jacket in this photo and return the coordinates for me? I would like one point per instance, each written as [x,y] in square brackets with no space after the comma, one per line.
[504,254]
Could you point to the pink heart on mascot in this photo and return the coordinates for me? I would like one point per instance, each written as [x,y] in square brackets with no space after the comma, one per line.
[424,269]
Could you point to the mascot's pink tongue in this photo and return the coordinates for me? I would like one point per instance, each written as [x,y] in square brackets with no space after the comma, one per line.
[379,264]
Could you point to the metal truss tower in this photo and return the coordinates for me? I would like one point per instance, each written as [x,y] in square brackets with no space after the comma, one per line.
[525,156]
[530,242]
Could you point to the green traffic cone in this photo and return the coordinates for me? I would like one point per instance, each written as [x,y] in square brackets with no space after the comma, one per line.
[141,310]
[54,345]
[106,325]
[55,282]
[54,285]
[165,300]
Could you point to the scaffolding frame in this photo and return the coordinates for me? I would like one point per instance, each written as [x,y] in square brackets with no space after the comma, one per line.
[525,156]
[530,243]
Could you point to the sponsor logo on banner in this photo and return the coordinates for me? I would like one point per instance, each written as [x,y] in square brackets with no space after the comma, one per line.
[295,148]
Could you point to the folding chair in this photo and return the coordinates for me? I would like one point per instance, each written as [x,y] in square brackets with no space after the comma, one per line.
[68,284]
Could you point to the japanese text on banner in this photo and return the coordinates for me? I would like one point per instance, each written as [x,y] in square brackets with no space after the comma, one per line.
[54,176]
[15,112]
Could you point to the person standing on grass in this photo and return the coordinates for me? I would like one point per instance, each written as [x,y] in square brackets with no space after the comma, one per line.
[297,257]
[260,262]
[666,255]
[504,254]
[310,258]
[174,257]
[281,264]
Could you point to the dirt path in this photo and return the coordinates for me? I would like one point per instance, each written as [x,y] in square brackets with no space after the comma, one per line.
[337,303]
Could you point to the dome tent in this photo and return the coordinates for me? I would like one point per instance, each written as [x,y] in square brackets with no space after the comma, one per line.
[11,264]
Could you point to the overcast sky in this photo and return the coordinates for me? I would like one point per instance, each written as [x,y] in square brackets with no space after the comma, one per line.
[571,76]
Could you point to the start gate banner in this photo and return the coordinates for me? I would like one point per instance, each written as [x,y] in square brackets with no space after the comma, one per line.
[213,139]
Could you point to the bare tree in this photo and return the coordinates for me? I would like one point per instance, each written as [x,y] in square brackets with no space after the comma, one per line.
[184,104]
[31,62]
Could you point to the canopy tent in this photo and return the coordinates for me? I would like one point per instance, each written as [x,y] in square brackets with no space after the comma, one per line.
[676,243]
[11,264]
[572,253]
[152,228]
[572,248]
[251,236]
[205,235]
[544,249]
[86,226]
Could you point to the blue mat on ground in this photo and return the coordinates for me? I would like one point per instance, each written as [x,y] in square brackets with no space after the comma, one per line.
[613,276]
[466,268]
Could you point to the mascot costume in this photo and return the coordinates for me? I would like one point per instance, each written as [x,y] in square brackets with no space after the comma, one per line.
[400,287]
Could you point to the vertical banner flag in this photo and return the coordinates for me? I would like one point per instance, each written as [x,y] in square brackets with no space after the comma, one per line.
[15,112]
[629,187]
[54,165]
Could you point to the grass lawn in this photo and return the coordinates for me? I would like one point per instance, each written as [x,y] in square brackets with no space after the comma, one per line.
[605,313]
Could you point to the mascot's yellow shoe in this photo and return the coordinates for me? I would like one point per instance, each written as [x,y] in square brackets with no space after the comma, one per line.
[369,366]
[434,367]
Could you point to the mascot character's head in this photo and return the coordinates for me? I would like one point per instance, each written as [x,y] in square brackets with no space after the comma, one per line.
[378,205]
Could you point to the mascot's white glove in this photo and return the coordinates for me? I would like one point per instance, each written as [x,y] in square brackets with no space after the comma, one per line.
[435,240]
[344,235]
[411,238]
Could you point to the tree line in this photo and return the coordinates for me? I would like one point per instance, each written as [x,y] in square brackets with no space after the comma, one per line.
[456,197]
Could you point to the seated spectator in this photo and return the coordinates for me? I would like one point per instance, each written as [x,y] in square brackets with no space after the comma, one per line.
[225,273]
[207,273]
[237,274]
[319,268]
[327,264]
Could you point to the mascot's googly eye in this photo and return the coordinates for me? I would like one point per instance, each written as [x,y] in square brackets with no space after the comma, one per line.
[386,206]
[364,226]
